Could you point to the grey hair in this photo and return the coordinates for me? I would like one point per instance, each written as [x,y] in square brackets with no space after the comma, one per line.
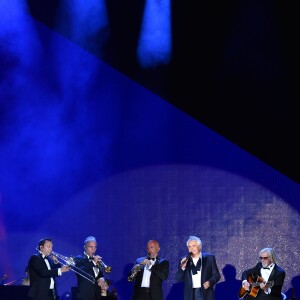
[272,253]
[194,238]
[89,239]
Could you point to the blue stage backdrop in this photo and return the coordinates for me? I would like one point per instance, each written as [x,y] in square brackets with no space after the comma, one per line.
[86,151]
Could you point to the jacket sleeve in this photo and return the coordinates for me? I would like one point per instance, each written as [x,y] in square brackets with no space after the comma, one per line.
[249,272]
[215,277]
[40,267]
[278,283]
[180,273]
[161,269]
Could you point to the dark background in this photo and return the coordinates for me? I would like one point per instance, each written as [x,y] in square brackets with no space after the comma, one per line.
[234,68]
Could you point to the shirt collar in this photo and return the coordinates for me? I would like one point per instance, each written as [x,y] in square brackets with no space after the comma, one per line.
[270,267]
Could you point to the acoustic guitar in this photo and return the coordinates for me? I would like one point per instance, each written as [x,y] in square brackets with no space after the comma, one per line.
[254,287]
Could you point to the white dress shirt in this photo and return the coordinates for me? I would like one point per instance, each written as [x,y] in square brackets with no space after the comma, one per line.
[197,277]
[147,274]
[49,268]
[265,274]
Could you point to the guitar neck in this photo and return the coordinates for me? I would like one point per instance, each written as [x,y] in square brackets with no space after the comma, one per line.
[268,284]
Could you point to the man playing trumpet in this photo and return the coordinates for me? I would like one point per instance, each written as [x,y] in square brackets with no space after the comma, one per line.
[89,283]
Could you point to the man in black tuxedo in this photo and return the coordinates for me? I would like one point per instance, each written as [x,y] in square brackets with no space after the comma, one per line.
[149,273]
[42,272]
[90,276]
[265,280]
[198,271]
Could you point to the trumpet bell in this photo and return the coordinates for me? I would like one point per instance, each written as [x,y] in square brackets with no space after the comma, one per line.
[103,266]
[107,269]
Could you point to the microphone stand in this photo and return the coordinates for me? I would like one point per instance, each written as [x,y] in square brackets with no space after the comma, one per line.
[4,277]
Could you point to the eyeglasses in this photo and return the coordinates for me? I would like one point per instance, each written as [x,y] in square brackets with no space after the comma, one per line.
[264,258]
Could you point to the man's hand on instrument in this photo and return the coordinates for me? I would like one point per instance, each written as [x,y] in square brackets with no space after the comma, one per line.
[263,286]
[147,262]
[65,269]
[246,285]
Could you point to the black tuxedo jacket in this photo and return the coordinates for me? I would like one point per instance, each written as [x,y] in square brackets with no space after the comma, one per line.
[86,290]
[209,272]
[159,272]
[277,275]
[40,277]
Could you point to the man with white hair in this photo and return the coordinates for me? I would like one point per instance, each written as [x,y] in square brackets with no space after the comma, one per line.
[199,272]
[265,280]
[90,276]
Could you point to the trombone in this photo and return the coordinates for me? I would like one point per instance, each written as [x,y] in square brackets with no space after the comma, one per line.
[71,263]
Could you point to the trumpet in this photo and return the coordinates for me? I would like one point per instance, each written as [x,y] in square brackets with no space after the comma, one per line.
[134,272]
[103,266]
[71,263]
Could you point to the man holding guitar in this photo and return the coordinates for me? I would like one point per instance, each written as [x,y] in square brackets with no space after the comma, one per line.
[265,280]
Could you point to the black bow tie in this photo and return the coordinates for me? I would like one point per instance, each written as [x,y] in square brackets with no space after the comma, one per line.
[266,268]
[151,258]
[91,258]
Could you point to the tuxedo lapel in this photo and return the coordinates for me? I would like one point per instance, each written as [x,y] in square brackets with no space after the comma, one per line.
[157,261]
[272,275]
[204,261]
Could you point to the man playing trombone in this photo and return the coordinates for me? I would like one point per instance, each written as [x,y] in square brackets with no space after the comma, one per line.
[42,272]
[90,281]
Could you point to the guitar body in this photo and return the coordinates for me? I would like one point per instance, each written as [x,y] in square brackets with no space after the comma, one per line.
[254,286]
[243,292]
[254,291]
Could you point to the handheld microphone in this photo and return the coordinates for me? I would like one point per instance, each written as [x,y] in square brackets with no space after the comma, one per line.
[186,258]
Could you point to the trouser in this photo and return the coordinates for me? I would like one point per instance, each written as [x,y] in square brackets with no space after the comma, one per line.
[51,296]
[197,294]
[143,294]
